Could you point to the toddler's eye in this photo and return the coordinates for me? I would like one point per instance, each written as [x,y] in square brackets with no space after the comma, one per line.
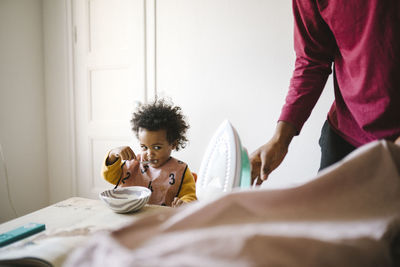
[157,148]
[144,148]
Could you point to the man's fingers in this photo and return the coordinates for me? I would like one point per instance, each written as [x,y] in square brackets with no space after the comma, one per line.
[255,170]
[257,181]
[265,171]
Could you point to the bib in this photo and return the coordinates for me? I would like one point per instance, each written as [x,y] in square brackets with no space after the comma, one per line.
[164,182]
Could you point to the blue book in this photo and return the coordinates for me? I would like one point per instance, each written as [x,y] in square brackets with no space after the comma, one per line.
[20,233]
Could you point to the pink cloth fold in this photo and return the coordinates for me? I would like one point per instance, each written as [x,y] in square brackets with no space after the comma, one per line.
[349,215]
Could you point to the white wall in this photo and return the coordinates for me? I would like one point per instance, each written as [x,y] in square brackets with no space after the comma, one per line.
[224,59]
[59,93]
[217,59]
[22,108]
[233,59]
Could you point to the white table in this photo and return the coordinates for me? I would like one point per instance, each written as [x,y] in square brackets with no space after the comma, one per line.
[68,223]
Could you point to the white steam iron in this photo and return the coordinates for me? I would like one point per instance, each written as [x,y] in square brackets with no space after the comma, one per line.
[225,164]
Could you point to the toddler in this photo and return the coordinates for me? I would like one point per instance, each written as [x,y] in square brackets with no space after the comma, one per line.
[160,129]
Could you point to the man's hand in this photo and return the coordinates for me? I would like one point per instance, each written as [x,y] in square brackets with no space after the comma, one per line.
[266,159]
[123,152]
[269,156]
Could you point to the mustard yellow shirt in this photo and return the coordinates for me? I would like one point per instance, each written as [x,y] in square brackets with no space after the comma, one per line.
[112,173]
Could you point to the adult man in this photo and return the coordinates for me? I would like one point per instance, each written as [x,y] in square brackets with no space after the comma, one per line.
[362,39]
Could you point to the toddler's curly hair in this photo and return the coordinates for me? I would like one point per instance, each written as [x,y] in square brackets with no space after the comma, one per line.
[162,115]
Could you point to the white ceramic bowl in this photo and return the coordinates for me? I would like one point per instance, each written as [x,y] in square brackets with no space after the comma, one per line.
[126,199]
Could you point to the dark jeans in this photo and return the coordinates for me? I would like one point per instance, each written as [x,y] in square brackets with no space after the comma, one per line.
[333,146]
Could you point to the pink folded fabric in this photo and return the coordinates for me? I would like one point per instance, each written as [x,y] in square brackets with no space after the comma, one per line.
[349,215]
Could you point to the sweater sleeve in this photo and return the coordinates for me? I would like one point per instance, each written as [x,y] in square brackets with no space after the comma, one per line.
[188,189]
[315,49]
[111,173]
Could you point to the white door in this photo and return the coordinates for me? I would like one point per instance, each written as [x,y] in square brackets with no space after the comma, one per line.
[109,75]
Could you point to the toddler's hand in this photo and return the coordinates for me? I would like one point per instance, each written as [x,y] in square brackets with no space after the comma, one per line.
[177,202]
[123,152]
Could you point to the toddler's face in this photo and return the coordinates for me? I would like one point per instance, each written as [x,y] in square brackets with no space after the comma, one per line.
[155,146]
